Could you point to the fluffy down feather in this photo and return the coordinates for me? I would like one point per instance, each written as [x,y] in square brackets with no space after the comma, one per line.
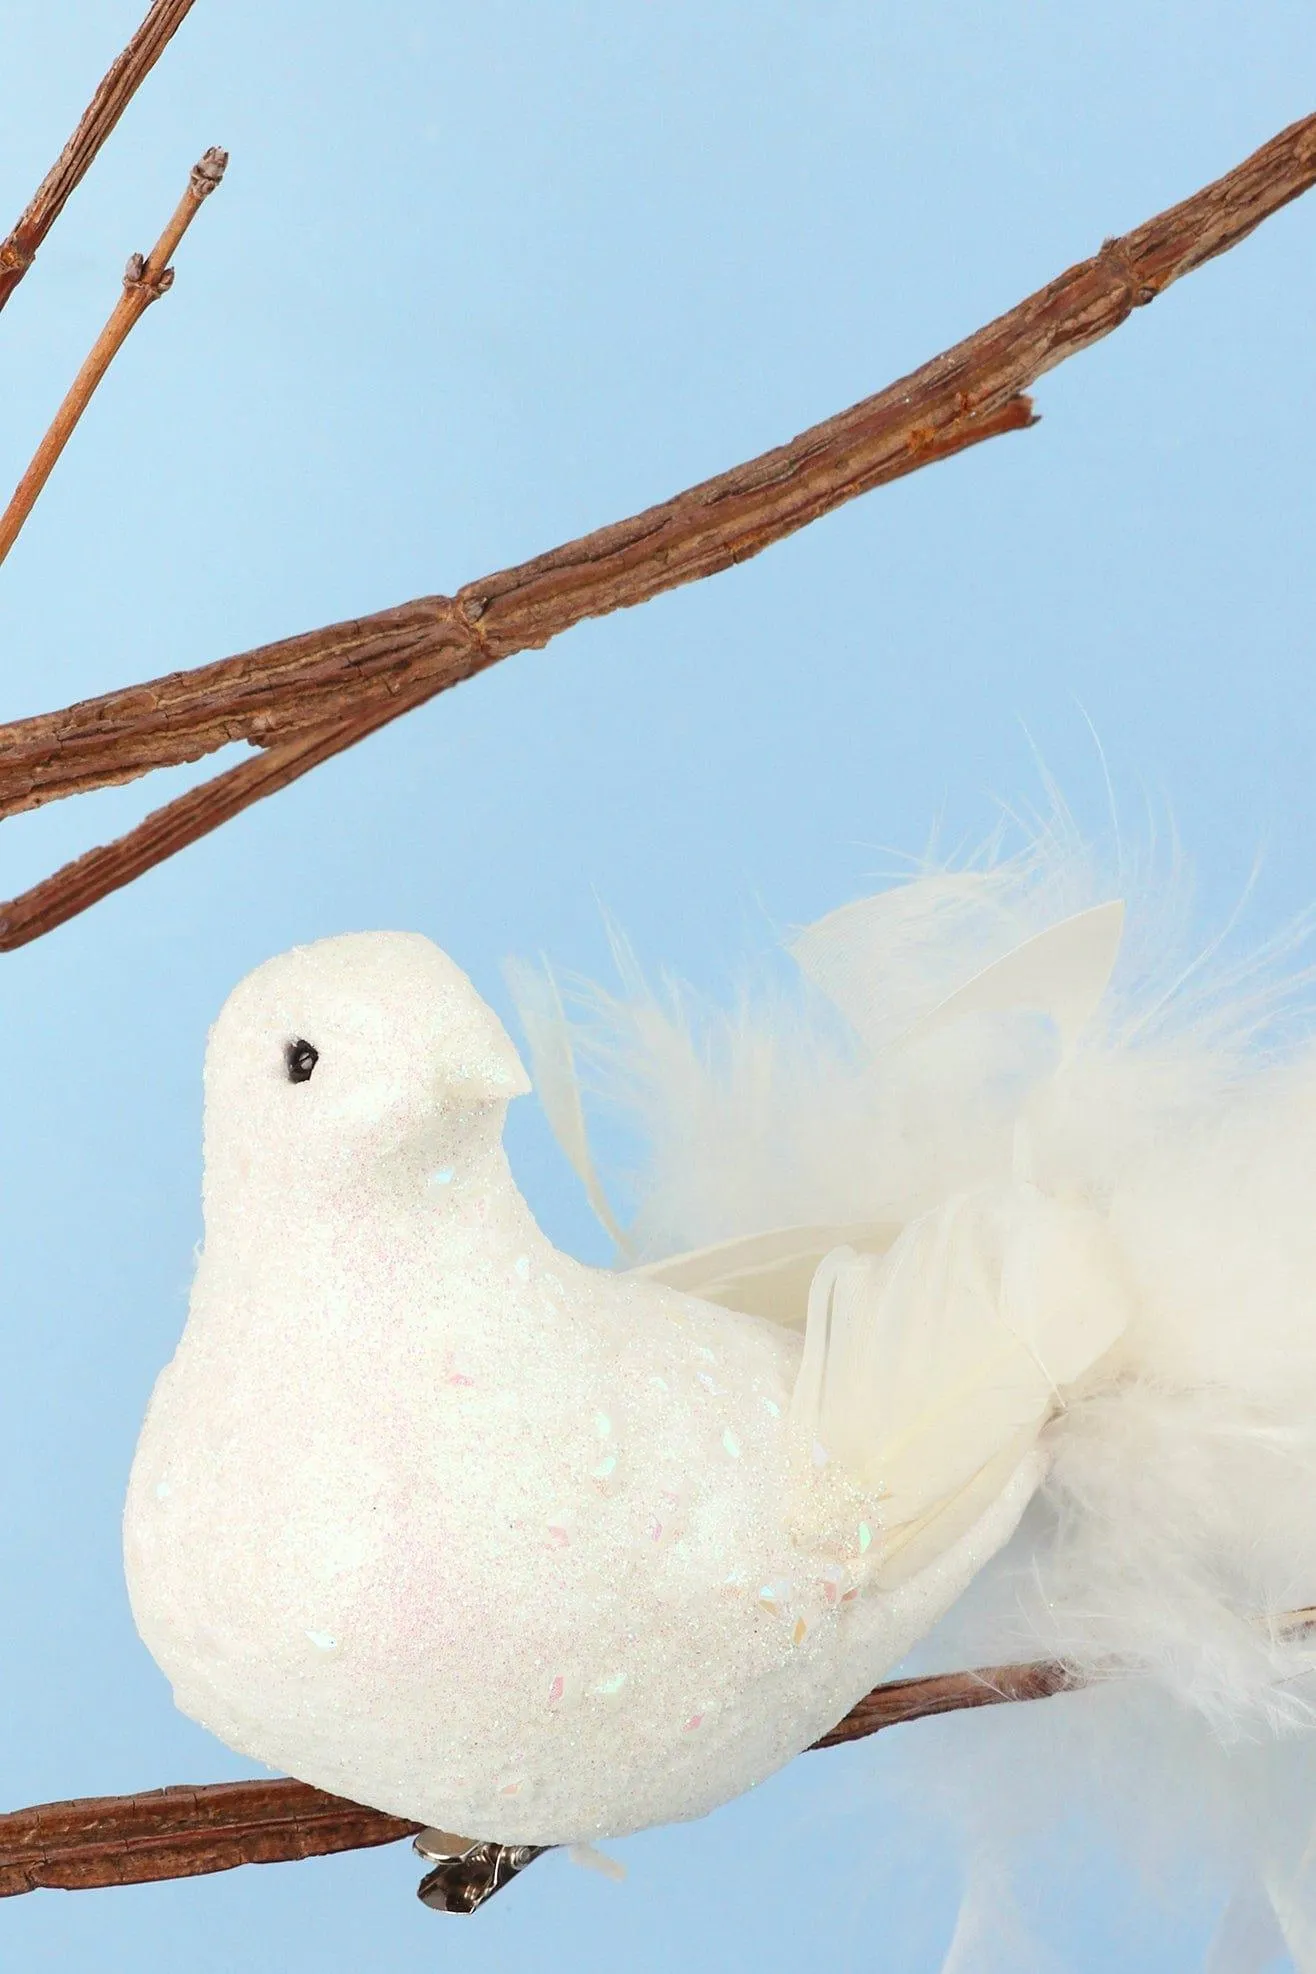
[946,1091]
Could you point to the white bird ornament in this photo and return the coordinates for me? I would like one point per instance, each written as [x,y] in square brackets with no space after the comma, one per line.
[432,1516]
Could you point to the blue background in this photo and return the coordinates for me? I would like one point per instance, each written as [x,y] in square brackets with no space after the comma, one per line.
[482,278]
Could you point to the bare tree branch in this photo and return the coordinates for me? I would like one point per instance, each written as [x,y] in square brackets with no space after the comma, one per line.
[181,1833]
[948,1693]
[93,876]
[118,87]
[330,687]
[969,393]
[186,1832]
[423,647]
[144,281]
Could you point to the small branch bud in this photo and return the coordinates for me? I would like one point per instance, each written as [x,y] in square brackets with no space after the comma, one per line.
[208,171]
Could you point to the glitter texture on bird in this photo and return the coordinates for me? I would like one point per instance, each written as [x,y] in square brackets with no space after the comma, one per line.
[429,1514]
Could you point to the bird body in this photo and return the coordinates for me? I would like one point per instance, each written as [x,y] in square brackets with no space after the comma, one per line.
[437,1518]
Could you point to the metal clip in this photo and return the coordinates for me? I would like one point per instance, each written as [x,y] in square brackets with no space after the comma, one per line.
[467,1872]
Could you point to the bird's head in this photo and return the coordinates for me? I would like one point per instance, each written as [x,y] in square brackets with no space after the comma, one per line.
[365,1049]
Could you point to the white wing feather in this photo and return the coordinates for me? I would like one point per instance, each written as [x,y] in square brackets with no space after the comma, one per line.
[923,1365]
[553,1066]
[765,1274]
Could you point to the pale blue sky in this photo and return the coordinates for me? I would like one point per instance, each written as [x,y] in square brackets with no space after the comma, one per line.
[483,277]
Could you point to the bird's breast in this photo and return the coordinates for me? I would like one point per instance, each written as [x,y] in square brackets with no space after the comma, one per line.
[475,1523]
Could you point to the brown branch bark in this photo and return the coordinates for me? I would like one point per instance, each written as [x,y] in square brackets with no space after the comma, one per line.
[118,87]
[948,1693]
[434,642]
[108,868]
[144,281]
[181,1833]
[970,392]
[339,683]
[186,1832]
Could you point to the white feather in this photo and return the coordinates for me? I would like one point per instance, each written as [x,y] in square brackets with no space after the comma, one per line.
[860,957]
[1096,1208]
[765,1274]
[922,1364]
[548,1040]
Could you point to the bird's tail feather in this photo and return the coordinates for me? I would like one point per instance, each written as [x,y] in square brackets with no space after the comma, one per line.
[1037,1181]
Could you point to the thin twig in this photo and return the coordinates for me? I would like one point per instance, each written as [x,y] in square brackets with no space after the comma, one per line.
[118,86]
[144,281]
[338,678]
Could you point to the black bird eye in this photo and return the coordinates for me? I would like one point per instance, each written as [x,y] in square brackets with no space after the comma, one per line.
[301,1058]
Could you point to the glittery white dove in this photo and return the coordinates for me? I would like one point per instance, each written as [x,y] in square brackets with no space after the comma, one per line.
[432,1516]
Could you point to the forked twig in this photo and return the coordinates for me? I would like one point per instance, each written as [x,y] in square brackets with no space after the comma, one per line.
[145,280]
[332,686]
[98,872]
[117,88]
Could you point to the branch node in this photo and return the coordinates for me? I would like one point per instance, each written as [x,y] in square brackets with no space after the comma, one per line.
[469,610]
[138,279]
[1137,288]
